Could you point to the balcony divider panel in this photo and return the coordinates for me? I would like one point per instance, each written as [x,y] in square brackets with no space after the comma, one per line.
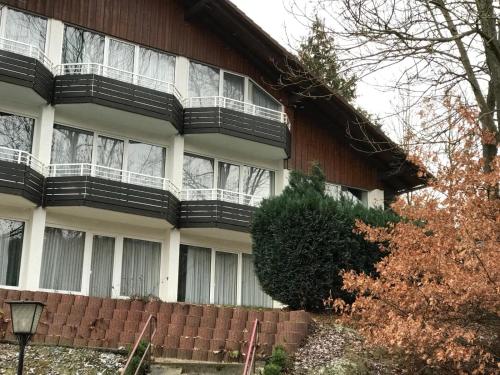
[109,92]
[238,124]
[28,72]
[111,195]
[216,214]
[20,179]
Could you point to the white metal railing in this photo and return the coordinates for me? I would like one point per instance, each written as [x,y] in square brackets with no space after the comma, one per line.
[237,105]
[21,157]
[25,49]
[87,169]
[221,195]
[118,74]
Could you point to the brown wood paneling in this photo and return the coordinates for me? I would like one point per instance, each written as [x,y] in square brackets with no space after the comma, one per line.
[314,141]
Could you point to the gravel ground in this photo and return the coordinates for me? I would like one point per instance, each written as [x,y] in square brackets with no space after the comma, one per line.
[333,349]
[51,360]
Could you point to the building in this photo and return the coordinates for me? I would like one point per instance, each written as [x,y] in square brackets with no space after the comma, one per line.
[136,140]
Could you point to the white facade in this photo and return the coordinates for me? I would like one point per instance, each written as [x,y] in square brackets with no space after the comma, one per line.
[82,226]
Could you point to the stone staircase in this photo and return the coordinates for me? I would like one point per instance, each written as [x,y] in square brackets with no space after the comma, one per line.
[164,366]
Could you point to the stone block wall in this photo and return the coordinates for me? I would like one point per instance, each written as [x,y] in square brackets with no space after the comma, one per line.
[185,331]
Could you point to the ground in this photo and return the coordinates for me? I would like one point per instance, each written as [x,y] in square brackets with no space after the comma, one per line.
[51,360]
[332,349]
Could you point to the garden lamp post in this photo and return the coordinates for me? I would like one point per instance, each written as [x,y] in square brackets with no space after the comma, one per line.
[25,316]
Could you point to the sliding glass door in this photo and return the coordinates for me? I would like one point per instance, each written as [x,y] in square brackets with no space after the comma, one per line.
[11,247]
[251,292]
[194,274]
[101,272]
[226,278]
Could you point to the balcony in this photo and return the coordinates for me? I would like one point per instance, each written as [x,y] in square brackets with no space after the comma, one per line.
[217,208]
[27,71]
[110,95]
[21,174]
[253,130]
[111,189]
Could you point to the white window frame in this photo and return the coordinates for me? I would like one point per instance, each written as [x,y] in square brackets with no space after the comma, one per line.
[215,184]
[126,140]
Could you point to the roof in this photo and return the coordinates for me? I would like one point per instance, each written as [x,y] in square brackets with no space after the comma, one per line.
[249,39]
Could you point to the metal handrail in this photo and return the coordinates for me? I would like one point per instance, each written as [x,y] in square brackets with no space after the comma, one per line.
[221,195]
[94,170]
[25,49]
[252,348]
[151,323]
[21,157]
[118,74]
[237,105]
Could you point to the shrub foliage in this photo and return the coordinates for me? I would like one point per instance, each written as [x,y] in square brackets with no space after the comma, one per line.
[303,239]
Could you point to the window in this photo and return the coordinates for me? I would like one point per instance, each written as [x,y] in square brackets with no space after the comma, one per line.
[71,145]
[234,86]
[101,271]
[62,259]
[109,152]
[194,274]
[257,181]
[203,80]
[198,172]
[229,177]
[121,57]
[140,268]
[263,99]
[11,247]
[16,132]
[156,65]
[81,46]
[226,278]
[26,28]
[146,159]
[251,292]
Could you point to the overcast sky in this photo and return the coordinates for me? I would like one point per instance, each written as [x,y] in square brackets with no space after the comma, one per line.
[273,17]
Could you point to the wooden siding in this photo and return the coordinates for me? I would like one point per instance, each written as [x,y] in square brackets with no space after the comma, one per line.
[314,141]
[160,24]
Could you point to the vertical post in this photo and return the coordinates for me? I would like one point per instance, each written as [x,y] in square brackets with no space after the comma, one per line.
[22,347]
[171,266]
[175,160]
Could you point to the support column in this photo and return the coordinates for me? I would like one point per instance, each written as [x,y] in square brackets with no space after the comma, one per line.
[375,198]
[181,75]
[42,140]
[175,160]
[117,267]
[171,267]
[55,35]
[32,261]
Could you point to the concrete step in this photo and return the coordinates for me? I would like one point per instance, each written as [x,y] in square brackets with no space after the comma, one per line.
[170,366]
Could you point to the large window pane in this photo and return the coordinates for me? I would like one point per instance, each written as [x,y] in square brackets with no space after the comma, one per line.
[26,28]
[251,292]
[156,65]
[140,268]
[194,274]
[110,152]
[146,159]
[121,56]
[198,172]
[101,273]
[226,279]
[234,86]
[16,132]
[81,46]
[203,80]
[71,145]
[11,247]
[263,99]
[229,177]
[62,259]
[257,182]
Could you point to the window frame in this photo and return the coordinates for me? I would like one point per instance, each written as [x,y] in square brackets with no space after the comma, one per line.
[97,133]
[216,160]
[4,11]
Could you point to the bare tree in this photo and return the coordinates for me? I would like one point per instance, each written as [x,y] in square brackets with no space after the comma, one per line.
[437,47]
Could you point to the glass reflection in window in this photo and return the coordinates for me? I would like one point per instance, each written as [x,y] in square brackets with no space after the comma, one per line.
[121,57]
[257,181]
[81,46]
[263,99]
[198,173]
[16,132]
[234,86]
[146,159]
[203,80]
[71,145]
[110,153]
[156,65]
[26,28]
[11,247]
